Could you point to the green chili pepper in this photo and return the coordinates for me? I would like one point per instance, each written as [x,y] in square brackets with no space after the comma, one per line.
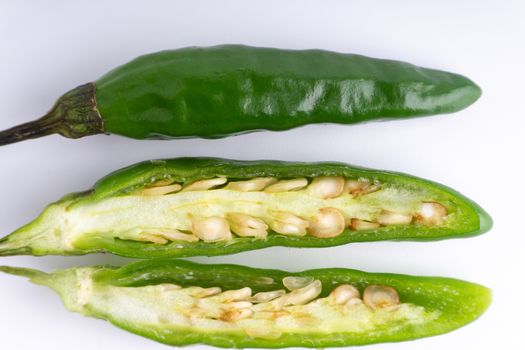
[232,89]
[207,206]
[181,303]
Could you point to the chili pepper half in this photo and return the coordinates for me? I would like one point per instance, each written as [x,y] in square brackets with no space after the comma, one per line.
[218,91]
[208,206]
[181,303]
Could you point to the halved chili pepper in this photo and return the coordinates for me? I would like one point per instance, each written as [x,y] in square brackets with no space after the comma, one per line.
[217,91]
[208,206]
[182,303]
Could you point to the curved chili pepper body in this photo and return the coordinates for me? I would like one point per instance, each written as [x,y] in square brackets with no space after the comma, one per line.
[209,206]
[182,303]
[231,89]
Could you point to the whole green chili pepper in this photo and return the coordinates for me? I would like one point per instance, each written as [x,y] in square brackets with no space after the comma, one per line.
[232,89]
[208,206]
[182,303]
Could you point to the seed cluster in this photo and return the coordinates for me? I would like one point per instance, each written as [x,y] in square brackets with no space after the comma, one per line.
[327,222]
[234,305]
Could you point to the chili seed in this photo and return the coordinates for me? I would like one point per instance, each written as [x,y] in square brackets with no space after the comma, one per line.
[255,184]
[203,185]
[159,190]
[245,225]
[344,293]
[287,185]
[357,224]
[431,213]
[296,282]
[377,296]
[326,186]
[212,229]
[326,223]
[392,218]
[288,224]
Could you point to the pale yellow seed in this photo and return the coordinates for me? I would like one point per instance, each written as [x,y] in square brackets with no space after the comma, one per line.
[371,189]
[326,186]
[354,302]
[173,235]
[206,292]
[243,294]
[431,213]
[301,296]
[326,223]
[392,218]
[239,304]
[296,282]
[146,237]
[159,190]
[245,225]
[255,184]
[344,293]
[359,225]
[264,297]
[264,280]
[354,186]
[212,229]
[288,229]
[235,314]
[360,187]
[287,185]
[377,297]
[203,185]
[288,224]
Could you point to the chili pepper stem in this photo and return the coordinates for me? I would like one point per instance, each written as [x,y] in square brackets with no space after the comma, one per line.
[36,128]
[74,115]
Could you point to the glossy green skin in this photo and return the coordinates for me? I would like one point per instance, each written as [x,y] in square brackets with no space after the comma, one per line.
[231,89]
[472,221]
[458,301]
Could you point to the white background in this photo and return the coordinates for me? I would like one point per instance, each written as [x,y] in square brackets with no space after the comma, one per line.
[48,47]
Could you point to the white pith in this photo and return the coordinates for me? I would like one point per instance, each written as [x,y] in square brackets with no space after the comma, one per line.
[170,307]
[132,216]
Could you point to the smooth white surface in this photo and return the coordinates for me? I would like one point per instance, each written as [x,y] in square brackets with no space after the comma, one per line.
[48,47]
